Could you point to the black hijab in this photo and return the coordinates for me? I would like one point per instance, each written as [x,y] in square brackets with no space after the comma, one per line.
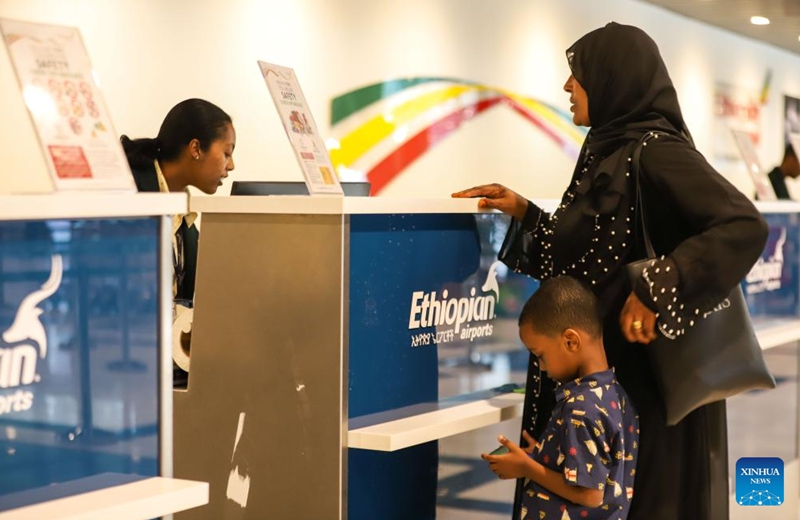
[630,93]
[629,89]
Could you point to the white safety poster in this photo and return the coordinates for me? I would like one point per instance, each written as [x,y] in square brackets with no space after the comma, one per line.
[750,157]
[309,148]
[66,105]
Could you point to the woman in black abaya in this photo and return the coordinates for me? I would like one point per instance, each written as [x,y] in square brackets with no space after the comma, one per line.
[709,233]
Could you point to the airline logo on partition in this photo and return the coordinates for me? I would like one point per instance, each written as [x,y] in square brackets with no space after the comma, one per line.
[455,316]
[23,343]
[759,481]
[766,274]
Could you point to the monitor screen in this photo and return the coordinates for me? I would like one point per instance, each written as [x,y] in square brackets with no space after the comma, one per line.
[350,189]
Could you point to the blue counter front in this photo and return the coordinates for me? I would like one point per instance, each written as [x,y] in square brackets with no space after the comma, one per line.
[771,286]
[418,283]
[79,358]
[83,313]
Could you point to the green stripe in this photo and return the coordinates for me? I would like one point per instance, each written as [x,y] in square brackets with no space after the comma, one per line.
[347,104]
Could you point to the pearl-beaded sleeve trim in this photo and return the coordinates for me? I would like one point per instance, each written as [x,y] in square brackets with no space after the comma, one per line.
[532,218]
[661,281]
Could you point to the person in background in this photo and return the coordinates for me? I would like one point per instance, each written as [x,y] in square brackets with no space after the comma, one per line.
[584,464]
[194,147]
[789,167]
[706,233]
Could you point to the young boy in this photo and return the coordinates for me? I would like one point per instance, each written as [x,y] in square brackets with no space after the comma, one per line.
[584,463]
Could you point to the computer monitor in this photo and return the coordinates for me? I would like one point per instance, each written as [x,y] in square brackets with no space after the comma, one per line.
[350,189]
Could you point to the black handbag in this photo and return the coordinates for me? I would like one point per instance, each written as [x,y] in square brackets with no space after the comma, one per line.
[716,358]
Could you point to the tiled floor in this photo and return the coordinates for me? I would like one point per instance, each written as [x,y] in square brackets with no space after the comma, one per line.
[761,424]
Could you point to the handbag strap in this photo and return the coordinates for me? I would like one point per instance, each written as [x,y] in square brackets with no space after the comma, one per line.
[640,222]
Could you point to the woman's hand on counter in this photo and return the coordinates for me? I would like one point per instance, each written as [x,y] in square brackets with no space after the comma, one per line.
[497,196]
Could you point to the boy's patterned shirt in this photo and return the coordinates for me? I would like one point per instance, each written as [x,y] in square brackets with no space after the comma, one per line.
[592,439]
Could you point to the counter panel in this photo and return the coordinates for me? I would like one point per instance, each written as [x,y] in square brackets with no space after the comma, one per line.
[420,286]
[79,365]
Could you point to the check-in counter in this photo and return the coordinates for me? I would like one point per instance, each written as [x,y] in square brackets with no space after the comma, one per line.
[319,325]
[314,382]
[85,365]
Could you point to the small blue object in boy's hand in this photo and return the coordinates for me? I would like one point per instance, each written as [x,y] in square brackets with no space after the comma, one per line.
[502,450]
[510,387]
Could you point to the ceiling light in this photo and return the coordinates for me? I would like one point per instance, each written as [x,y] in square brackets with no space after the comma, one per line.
[759,20]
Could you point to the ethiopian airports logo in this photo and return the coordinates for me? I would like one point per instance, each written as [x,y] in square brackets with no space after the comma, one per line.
[464,316]
[23,343]
[759,481]
[765,276]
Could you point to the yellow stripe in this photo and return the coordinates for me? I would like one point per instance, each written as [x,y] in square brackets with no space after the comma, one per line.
[550,116]
[362,139]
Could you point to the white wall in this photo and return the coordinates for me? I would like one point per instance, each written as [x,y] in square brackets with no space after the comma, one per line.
[150,54]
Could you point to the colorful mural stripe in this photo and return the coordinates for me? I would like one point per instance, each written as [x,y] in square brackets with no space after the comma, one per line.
[381,129]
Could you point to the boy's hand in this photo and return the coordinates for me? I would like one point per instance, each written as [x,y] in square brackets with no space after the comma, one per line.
[513,464]
[530,441]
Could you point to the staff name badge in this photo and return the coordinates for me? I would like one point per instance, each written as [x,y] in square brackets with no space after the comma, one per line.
[750,157]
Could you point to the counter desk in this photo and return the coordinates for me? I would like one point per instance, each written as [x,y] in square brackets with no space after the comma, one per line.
[85,367]
[318,327]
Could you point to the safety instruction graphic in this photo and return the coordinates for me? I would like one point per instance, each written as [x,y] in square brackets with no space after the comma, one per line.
[65,103]
[309,148]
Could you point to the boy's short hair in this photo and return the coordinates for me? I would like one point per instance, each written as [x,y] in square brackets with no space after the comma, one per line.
[559,304]
[789,151]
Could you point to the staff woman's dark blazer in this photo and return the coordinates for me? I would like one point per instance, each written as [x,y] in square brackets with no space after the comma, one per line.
[147,181]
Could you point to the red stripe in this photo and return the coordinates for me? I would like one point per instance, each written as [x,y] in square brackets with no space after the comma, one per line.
[386,170]
[537,122]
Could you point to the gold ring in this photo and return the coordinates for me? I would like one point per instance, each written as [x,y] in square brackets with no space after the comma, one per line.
[637,325]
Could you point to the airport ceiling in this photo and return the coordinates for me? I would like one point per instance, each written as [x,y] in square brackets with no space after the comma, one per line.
[734,15]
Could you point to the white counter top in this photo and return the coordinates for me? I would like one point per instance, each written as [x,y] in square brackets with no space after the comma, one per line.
[147,498]
[74,205]
[332,205]
[418,424]
[778,206]
[777,333]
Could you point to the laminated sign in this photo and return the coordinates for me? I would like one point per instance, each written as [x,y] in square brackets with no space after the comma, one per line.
[309,148]
[65,103]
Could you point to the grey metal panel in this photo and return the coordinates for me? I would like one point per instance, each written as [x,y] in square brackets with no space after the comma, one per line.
[267,354]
